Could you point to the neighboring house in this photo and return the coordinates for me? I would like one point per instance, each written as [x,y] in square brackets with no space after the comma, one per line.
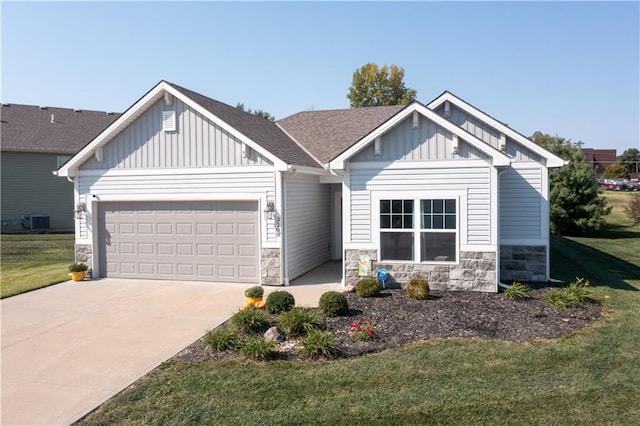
[185,187]
[600,159]
[36,141]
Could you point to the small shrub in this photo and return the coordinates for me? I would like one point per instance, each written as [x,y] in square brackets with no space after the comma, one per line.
[318,343]
[280,301]
[255,291]
[576,295]
[418,288]
[298,320]
[221,339]
[633,209]
[517,291]
[250,320]
[368,287]
[333,304]
[259,348]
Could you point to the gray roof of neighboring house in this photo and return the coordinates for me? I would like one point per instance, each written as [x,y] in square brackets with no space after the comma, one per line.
[326,134]
[28,128]
[260,130]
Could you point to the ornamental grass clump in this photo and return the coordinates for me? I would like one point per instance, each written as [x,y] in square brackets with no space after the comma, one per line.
[259,348]
[517,291]
[576,295]
[418,288]
[333,304]
[222,339]
[250,320]
[368,287]
[280,301]
[298,321]
[318,343]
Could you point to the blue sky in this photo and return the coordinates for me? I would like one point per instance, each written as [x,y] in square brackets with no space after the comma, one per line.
[565,68]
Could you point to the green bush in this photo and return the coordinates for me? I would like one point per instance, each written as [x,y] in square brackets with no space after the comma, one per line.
[280,301]
[259,348]
[333,304]
[517,291]
[633,209]
[298,320]
[368,287]
[255,291]
[221,339]
[250,320]
[576,295]
[318,343]
[418,288]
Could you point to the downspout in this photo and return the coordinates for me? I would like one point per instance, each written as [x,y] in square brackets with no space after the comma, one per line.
[289,173]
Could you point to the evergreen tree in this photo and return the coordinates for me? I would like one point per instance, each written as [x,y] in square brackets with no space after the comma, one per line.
[576,203]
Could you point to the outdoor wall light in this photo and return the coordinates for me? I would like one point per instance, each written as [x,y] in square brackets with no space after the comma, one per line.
[269,210]
[80,209]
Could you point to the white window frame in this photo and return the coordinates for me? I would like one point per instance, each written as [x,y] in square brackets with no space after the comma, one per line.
[416,196]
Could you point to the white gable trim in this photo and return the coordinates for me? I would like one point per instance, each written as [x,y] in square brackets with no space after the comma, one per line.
[141,106]
[498,158]
[552,159]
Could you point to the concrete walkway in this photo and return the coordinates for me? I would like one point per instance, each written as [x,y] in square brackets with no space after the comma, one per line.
[68,348]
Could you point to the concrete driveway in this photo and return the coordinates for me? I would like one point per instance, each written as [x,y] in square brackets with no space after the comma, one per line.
[68,348]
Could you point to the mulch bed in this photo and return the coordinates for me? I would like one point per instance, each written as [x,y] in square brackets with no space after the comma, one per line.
[398,320]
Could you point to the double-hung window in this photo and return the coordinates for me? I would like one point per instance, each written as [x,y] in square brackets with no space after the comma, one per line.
[419,230]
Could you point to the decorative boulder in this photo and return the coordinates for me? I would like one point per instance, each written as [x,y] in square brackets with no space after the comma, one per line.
[274,334]
[350,289]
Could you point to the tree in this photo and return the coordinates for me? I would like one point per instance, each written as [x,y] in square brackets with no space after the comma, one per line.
[377,86]
[258,112]
[630,158]
[576,202]
[615,171]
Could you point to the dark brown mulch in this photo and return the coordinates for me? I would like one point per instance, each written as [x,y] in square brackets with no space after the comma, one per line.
[398,320]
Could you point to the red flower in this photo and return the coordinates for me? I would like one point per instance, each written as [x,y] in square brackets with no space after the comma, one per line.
[370,332]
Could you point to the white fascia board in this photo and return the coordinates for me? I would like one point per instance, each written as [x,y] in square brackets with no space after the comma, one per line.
[277,163]
[107,134]
[499,158]
[552,159]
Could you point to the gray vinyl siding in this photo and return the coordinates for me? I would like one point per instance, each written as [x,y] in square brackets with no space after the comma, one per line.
[429,141]
[521,204]
[29,187]
[474,180]
[488,134]
[187,183]
[197,142]
[308,223]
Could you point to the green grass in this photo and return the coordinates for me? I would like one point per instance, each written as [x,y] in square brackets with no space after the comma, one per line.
[31,261]
[591,377]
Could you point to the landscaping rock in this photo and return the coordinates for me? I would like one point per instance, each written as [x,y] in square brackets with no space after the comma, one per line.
[274,334]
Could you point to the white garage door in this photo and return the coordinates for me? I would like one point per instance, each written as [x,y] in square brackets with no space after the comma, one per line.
[199,241]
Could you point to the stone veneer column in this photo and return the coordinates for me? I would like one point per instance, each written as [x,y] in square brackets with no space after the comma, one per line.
[270,266]
[84,254]
[523,263]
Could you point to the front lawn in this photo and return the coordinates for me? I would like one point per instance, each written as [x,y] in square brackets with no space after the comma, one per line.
[590,377]
[31,261]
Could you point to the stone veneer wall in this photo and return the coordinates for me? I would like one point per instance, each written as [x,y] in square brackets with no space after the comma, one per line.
[84,254]
[523,263]
[476,271]
[270,266]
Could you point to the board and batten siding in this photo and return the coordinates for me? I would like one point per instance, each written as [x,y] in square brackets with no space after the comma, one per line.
[475,181]
[196,142]
[488,134]
[429,141]
[307,223]
[29,187]
[521,204]
[183,183]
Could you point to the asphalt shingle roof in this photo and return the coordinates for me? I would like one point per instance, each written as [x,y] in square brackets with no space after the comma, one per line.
[326,134]
[28,128]
[260,130]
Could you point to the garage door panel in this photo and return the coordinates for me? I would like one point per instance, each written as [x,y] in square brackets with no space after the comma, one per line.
[211,241]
